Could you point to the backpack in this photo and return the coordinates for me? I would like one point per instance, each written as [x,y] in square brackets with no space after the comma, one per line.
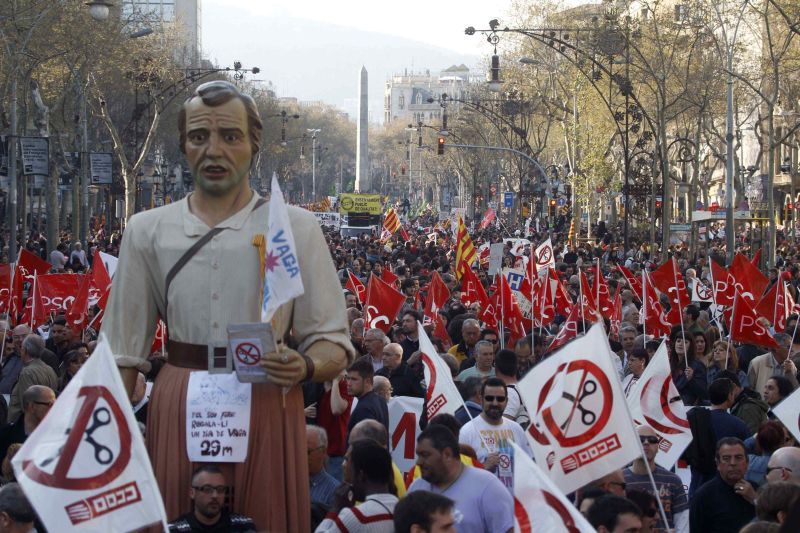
[700,453]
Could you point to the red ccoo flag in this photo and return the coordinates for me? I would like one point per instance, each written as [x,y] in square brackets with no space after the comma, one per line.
[382,304]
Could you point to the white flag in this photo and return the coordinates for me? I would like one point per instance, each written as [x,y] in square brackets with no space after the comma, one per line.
[442,395]
[85,468]
[544,255]
[788,412]
[282,280]
[654,401]
[404,413]
[538,504]
[581,428]
[701,293]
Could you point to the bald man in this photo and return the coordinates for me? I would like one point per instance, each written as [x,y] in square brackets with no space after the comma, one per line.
[382,387]
[784,465]
[404,381]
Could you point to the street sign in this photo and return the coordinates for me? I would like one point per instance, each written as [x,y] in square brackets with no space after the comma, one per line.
[493,188]
[508,199]
[562,202]
[35,156]
[493,205]
[101,167]
[680,227]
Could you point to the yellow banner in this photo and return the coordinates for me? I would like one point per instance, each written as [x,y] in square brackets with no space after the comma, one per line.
[360,203]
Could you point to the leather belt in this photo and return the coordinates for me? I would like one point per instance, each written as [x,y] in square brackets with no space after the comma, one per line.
[195,356]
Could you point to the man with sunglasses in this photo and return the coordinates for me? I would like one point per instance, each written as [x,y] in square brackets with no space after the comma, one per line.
[670,488]
[208,492]
[491,434]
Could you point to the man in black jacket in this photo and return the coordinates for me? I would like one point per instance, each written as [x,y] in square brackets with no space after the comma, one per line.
[404,381]
[359,385]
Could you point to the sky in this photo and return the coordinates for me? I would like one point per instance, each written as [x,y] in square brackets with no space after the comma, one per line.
[435,22]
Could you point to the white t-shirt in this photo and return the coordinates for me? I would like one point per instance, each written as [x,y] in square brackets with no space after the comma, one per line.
[515,409]
[486,438]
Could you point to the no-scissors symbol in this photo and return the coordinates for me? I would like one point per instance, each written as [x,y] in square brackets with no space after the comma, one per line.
[505,461]
[89,418]
[248,353]
[544,255]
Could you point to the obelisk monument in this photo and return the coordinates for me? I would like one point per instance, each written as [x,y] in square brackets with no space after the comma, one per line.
[363,181]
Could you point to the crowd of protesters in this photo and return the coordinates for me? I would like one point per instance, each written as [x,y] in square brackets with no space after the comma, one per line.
[744,463]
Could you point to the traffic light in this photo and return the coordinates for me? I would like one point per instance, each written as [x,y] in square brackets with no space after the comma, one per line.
[440,149]
[302,151]
[552,211]
[658,209]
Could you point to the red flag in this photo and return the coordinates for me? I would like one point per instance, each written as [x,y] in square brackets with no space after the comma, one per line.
[101,281]
[355,286]
[587,299]
[472,290]
[652,314]
[382,304]
[404,234]
[633,281]
[668,280]
[28,265]
[79,310]
[724,285]
[569,329]
[34,313]
[57,291]
[487,219]
[772,306]
[750,282]
[511,314]
[745,326]
[5,288]
[563,303]
[388,276]
[542,307]
[438,294]
[160,338]
[756,258]
[615,320]
[601,293]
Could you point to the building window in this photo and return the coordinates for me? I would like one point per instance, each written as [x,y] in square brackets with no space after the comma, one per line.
[419,99]
[401,102]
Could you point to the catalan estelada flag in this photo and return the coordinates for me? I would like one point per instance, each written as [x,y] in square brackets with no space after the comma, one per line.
[465,250]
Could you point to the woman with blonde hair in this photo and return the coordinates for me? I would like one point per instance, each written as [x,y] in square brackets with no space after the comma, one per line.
[723,357]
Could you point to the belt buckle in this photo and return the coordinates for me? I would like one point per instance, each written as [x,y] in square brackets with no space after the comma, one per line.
[219,364]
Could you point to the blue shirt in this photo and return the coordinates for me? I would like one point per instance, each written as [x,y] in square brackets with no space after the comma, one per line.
[482,501]
[323,486]
[10,374]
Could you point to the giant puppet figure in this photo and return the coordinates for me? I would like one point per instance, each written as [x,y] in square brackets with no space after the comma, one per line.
[217,285]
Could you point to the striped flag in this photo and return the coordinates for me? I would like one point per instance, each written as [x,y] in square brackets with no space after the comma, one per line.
[465,250]
[391,222]
[571,234]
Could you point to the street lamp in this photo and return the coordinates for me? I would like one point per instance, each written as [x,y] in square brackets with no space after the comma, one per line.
[98,9]
[313,132]
[284,116]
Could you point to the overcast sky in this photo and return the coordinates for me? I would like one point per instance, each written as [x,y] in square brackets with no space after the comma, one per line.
[440,23]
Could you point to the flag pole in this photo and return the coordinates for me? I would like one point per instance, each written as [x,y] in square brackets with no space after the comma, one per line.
[580,296]
[644,304]
[500,287]
[33,301]
[730,328]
